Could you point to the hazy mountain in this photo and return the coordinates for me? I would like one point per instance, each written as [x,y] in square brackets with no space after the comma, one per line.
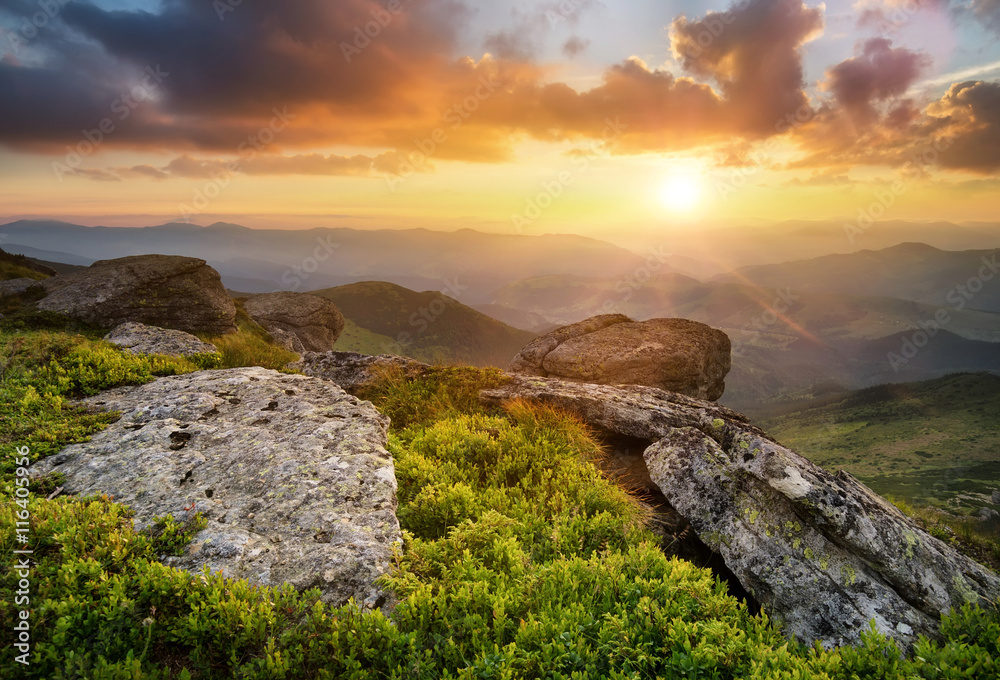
[429,326]
[47,255]
[911,271]
[474,263]
[527,321]
[833,318]
[786,345]
[730,248]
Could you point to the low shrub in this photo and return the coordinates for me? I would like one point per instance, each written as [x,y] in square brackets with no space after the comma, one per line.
[520,561]
[250,345]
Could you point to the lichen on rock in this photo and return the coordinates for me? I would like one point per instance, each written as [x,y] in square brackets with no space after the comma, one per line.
[290,471]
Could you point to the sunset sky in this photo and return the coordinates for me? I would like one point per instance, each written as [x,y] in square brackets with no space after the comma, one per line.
[582,116]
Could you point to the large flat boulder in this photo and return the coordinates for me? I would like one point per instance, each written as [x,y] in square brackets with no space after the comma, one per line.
[291,472]
[138,338]
[822,553]
[168,291]
[672,354]
[299,321]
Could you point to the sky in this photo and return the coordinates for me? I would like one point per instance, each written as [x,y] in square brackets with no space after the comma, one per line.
[582,116]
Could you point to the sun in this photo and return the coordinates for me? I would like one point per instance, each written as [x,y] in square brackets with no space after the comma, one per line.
[681,192]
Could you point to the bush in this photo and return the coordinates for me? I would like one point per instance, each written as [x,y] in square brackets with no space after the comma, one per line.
[520,561]
[250,345]
[440,393]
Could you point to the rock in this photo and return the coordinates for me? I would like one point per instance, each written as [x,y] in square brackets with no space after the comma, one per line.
[167,291]
[16,286]
[673,354]
[291,472]
[299,321]
[986,514]
[138,338]
[351,370]
[822,553]
[995,498]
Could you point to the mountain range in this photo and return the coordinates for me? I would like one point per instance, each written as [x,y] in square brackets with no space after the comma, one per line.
[800,328]
[264,260]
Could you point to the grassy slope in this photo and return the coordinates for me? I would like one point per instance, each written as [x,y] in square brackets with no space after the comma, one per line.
[428,326]
[520,559]
[935,441]
[354,338]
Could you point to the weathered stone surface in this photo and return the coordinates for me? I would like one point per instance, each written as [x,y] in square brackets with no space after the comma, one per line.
[299,321]
[351,370]
[639,412]
[822,553]
[16,286]
[138,338]
[995,498]
[673,354]
[160,290]
[291,472]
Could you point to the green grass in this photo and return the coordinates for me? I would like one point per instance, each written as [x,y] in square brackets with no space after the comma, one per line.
[933,442]
[11,270]
[354,338]
[250,345]
[427,326]
[520,560]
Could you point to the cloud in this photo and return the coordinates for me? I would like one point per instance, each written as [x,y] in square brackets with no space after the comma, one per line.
[879,74]
[524,39]
[988,12]
[960,131]
[393,89]
[353,75]
[192,167]
[754,54]
[970,115]
[575,46]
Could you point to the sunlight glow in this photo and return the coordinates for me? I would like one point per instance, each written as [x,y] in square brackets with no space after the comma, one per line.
[682,192]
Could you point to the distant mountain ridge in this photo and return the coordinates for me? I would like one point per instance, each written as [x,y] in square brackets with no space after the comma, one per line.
[909,271]
[786,342]
[429,326]
[325,257]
